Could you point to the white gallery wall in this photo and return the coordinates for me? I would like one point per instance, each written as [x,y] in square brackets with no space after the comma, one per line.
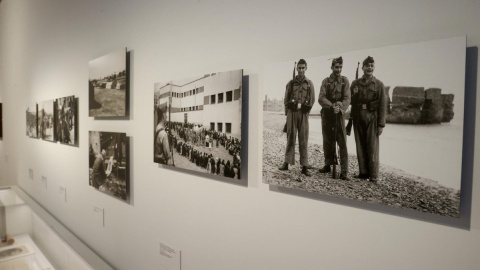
[45,47]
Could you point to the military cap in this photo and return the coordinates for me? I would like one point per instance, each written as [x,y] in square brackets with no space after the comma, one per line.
[368,60]
[338,60]
[302,61]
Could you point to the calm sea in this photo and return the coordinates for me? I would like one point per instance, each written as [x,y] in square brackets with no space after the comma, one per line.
[430,151]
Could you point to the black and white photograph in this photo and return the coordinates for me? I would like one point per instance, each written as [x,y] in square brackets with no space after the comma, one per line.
[66,120]
[381,125]
[31,120]
[108,163]
[197,124]
[46,120]
[107,84]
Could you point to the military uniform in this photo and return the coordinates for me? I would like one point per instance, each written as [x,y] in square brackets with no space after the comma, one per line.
[334,90]
[299,99]
[368,112]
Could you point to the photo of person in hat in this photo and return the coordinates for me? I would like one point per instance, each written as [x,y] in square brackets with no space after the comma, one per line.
[334,98]
[368,112]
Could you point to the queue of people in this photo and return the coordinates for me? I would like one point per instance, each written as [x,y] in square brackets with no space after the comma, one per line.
[367,98]
[199,135]
[186,138]
[211,164]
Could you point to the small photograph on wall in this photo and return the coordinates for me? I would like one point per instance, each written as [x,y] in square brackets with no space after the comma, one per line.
[197,124]
[46,120]
[66,120]
[382,125]
[31,123]
[108,163]
[107,84]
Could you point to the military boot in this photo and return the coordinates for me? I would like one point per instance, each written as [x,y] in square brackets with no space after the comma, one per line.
[325,169]
[305,171]
[284,167]
[362,176]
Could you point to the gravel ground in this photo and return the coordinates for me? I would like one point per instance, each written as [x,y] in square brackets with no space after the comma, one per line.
[395,187]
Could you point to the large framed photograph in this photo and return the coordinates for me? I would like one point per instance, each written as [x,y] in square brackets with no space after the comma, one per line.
[406,105]
[197,124]
[46,120]
[107,83]
[31,121]
[108,163]
[66,120]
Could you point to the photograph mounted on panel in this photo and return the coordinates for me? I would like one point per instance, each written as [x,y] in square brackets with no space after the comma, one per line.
[108,163]
[31,122]
[404,149]
[46,120]
[66,120]
[197,124]
[107,84]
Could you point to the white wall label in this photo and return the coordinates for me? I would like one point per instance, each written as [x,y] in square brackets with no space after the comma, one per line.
[62,192]
[170,258]
[44,181]
[99,215]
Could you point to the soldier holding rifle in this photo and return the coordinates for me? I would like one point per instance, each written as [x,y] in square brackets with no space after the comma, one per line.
[335,98]
[299,99]
[368,109]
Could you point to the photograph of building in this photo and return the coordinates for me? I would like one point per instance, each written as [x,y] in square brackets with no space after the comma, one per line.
[203,119]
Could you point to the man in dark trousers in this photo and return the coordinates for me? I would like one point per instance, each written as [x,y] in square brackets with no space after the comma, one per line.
[299,99]
[368,111]
[335,98]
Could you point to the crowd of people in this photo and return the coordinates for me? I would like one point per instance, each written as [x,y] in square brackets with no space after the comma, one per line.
[191,135]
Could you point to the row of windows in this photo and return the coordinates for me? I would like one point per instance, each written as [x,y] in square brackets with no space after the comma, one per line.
[228,127]
[188,93]
[221,97]
[192,108]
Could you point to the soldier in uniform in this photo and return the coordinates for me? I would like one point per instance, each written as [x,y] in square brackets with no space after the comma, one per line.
[368,112]
[335,98]
[162,152]
[299,99]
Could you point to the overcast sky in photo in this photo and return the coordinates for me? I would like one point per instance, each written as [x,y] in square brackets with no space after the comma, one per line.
[108,64]
[439,63]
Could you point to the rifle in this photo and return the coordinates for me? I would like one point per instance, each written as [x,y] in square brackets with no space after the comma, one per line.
[288,102]
[334,145]
[350,119]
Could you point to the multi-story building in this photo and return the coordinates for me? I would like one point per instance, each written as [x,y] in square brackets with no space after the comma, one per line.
[213,101]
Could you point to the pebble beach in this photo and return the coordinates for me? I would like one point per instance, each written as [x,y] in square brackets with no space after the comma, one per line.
[395,188]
